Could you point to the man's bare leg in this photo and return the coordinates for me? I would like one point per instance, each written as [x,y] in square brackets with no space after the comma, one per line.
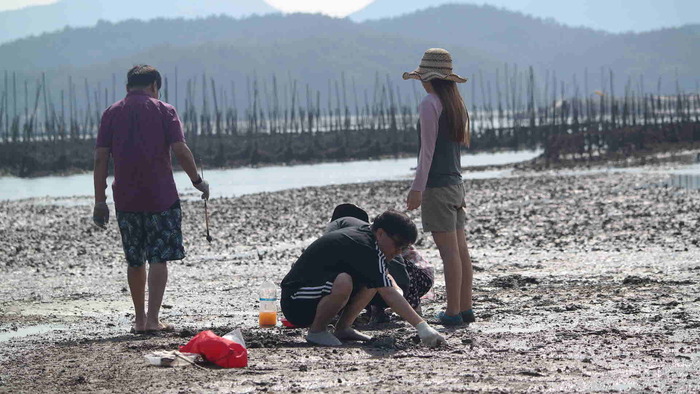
[343,329]
[136,276]
[327,309]
[330,305]
[157,279]
[449,252]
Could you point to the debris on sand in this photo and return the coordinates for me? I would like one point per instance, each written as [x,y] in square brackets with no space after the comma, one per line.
[636,280]
[514,280]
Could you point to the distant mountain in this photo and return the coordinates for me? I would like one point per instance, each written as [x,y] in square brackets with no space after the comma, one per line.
[75,13]
[380,9]
[524,40]
[316,50]
[312,49]
[611,16]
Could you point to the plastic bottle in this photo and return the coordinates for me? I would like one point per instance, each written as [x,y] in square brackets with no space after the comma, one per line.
[268,305]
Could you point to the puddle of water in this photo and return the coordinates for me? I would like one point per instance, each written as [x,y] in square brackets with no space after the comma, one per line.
[73,308]
[685,181]
[32,330]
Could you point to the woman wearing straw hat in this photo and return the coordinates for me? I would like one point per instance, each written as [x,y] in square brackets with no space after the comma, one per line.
[438,186]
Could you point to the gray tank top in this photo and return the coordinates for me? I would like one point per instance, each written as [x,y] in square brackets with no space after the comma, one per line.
[445,169]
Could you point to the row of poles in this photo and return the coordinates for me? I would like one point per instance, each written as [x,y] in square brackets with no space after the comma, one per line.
[513,111]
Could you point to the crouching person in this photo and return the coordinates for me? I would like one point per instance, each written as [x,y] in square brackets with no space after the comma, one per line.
[342,271]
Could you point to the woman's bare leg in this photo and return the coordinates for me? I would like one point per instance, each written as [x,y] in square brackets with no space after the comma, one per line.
[467,272]
[449,252]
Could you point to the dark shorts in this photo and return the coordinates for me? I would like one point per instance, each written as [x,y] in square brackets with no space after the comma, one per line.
[299,305]
[155,237]
[301,313]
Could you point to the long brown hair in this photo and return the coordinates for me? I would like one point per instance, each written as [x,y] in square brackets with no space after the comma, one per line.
[456,112]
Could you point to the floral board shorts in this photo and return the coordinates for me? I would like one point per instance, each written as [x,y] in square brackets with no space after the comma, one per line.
[155,237]
[420,272]
[443,208]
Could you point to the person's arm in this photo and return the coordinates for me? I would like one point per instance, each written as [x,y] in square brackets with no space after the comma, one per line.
[398,304]
[429,112]
[100,213]
[103,150]
[100,174]
[186,159]
[371,271]
[395,285]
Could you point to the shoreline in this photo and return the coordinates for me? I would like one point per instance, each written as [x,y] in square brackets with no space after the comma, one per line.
[401,155]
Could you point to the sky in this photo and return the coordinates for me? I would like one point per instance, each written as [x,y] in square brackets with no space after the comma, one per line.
[14,4]
[621,15]
[334,8]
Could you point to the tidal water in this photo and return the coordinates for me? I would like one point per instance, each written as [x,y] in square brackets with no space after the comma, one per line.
[238,181]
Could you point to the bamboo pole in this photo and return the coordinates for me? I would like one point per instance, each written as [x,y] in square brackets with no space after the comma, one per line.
[7,111]
[3,112]
[87,125]
[46,106]
[31,122]
[357,105]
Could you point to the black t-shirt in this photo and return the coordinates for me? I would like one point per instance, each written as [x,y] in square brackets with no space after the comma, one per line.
[352,250]
[343,222]
[397,266]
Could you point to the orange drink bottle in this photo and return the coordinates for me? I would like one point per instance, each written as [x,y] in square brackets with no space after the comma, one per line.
[268,305]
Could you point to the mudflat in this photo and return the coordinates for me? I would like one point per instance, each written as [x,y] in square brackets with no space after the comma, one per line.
[583,283]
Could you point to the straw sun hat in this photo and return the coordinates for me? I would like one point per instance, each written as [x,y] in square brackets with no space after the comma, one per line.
[436,63]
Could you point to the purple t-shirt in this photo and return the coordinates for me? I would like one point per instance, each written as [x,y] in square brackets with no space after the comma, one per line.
[139,131]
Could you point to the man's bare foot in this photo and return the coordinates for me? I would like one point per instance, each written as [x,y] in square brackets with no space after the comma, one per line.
[159,327]
[139,326]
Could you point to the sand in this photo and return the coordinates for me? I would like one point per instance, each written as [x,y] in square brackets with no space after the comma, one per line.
[583,283]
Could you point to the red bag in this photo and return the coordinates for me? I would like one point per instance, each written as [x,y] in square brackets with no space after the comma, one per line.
[221,351]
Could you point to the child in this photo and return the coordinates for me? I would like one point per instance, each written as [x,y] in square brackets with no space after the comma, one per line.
[438,186]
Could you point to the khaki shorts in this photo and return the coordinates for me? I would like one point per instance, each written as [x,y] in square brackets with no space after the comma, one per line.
[444,208]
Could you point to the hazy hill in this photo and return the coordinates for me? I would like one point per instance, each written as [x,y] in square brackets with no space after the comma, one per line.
[381,9]
[611,16]
[314,49]
[516,38]
[75,13]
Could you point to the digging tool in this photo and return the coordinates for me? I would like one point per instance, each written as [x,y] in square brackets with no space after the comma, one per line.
[206,211]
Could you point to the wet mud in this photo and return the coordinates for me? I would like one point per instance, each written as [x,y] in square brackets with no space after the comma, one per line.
[585,283]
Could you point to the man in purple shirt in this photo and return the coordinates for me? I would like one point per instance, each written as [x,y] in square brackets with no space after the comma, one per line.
[139,132]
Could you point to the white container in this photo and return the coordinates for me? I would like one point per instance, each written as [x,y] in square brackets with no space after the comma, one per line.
[268,305]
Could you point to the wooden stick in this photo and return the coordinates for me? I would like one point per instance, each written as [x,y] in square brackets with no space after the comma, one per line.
[181,357]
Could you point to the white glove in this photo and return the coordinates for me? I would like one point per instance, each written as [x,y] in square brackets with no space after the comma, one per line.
[428,335]
[202,186]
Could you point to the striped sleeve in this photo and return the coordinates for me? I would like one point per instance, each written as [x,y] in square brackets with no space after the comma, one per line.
[382,277]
